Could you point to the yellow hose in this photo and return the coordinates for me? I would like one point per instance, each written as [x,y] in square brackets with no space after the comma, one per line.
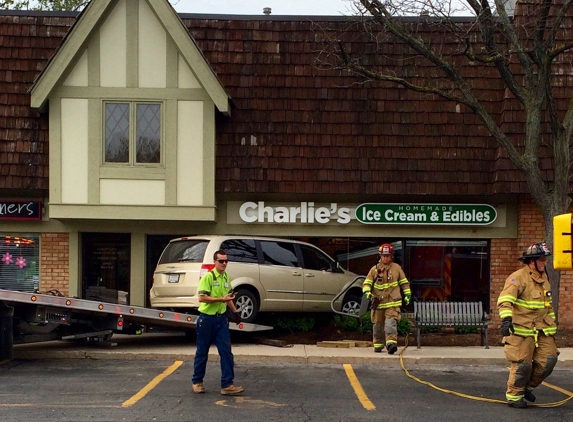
[469,396]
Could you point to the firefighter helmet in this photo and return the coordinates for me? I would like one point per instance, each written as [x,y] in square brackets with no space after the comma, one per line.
[535,251]
[386,249]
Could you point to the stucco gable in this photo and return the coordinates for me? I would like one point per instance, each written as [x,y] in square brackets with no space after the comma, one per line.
[95,14]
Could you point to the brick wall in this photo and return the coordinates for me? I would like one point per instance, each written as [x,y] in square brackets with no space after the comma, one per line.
[54,258]
[504,254]
[503,263]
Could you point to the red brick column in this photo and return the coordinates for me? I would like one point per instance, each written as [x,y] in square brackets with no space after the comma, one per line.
[503,262]
[54,259]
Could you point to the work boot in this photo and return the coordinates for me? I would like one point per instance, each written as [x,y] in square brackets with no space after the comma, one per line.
[392,347]
[518,404]
[232,390]
[377,350]
[198,388]
[529,396]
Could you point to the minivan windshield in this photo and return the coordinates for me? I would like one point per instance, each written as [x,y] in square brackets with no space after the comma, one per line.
[184,251]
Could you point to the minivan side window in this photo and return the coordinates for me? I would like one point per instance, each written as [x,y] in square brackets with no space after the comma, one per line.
[184,251]
[315,260]
[241,250]
[279,253]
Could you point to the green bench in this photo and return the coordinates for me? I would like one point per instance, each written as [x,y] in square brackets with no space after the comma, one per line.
[450,314]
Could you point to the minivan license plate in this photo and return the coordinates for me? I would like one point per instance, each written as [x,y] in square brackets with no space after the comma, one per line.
[173,278]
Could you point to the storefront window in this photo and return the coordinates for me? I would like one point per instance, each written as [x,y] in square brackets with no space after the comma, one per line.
[455,270]
[19,268]
[438,270]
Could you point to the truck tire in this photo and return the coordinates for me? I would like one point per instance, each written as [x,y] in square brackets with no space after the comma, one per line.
[247,305]
[351,304]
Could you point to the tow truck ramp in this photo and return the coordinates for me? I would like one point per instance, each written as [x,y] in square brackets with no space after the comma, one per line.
[35,317]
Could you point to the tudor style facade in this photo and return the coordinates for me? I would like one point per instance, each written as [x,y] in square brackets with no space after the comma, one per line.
[161,125]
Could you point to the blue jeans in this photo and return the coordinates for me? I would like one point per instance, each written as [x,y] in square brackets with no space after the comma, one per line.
[213,330]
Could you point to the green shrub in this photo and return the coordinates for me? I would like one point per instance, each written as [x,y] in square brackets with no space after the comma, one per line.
[346,323]
[428,330]
[404,326]
[359,325]
[465,330]
[294,324]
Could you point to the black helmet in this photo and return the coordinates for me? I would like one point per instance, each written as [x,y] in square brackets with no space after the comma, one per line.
[535,251]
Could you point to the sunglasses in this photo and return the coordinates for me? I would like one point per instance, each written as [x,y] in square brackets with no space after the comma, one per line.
[222,261]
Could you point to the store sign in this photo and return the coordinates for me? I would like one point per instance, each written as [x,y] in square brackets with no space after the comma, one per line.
[426,214]
[305,213]
[405,214]
[20,210]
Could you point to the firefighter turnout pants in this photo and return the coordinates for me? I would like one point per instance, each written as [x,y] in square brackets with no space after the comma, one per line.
[530,363]
[385,326]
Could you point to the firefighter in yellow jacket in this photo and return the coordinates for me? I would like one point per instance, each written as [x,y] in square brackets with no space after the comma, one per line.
[384,286]
[528,326]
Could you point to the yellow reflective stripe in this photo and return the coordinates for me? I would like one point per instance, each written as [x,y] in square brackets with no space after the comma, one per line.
[403,281]
[386,305]
[524,332]
[513,398]
[530,304]
[550,331]
[385,285]
[367,282]
[503,313]
[506,298]
[551,314]
[407,292]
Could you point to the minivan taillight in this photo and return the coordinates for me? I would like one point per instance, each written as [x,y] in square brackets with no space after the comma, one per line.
[205,268]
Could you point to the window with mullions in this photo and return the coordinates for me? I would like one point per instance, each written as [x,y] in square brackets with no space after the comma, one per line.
[132,133]
[19,265]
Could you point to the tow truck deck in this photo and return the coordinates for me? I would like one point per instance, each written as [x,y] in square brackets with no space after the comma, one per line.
[35,317]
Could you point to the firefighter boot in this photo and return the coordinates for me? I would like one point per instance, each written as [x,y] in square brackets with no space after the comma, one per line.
[518,404]
[392,347]
[378,350]
[529,396]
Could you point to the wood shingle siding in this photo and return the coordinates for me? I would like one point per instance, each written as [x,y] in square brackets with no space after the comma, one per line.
[294,128]
[26,45]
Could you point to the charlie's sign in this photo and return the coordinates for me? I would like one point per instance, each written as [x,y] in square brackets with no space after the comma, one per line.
[443,214]
[405,214]
[305,212]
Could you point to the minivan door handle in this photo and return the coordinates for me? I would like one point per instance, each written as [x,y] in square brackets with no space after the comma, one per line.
[309,275]
[296,274]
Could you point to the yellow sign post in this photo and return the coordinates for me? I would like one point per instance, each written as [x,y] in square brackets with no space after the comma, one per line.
[562,248]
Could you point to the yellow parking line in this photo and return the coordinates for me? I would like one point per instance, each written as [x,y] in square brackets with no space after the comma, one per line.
[151,385]
[362,397]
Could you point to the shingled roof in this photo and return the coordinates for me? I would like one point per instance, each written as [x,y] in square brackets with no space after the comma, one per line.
[294,128]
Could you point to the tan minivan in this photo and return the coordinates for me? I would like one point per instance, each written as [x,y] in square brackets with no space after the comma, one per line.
[267,275]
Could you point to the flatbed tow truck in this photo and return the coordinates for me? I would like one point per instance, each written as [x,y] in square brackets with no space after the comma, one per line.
[37,317]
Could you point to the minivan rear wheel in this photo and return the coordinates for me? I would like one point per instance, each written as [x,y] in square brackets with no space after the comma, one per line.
[247,305]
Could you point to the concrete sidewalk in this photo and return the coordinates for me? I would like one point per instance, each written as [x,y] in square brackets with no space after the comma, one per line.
[176,347]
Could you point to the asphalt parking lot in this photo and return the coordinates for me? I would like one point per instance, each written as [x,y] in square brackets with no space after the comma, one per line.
[159,390]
